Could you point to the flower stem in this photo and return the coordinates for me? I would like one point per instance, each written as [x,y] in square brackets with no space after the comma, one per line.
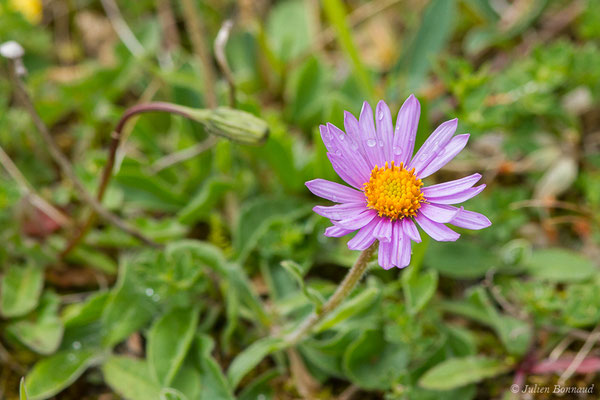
[342,291]
[112,151]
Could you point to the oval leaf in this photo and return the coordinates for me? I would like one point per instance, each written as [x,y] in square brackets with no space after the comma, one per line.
[51,375]
[457,372]
[169,341]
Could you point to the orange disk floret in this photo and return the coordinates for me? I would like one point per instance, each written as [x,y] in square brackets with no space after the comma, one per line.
[394,192]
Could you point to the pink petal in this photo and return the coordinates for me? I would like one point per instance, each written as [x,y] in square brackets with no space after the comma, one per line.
[340,211]
[370,141]
[437,231]
[346,171]
[346,147]
[357,221]
[438,213]
[450,187]
[364,238]
[383,230]
[334,191]
[352,128]
[385,129]
[405,253]
[457,197]
[385,255]
[401,251]
[433,145]
[406,130]
[455,146]
[410,229]
[470,220]
[336,231]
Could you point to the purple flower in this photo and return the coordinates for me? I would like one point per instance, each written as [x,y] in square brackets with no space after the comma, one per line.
[388,197]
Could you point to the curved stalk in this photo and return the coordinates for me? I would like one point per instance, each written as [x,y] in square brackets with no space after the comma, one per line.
[110,162]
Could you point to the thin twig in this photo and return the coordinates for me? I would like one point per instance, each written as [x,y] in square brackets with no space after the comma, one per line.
[560,348]
[306,384]
[168,25]
[64,163]
[581,355]
[500,299]
[183,155]
[197,34]
[220,43]
[29,192]
[120,26]
[349,392]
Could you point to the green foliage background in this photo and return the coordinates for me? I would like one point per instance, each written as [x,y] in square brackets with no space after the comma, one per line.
[245,258]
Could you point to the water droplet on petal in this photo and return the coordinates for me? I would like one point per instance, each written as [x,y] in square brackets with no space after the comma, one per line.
[380,115]
[342,136]
[397,150]
[371,142]
[381,143]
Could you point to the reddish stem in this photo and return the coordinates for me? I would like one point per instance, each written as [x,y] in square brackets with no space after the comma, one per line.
[110,162]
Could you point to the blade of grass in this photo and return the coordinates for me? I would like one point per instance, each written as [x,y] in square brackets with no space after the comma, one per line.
[336,14]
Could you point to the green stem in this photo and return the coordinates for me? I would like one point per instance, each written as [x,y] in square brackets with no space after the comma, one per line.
[342,291]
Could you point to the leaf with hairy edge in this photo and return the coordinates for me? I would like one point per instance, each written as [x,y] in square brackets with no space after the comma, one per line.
[214,384]
[53,374]
[457,372]
[169,340]
[250,357]
[21,289]
[130,378]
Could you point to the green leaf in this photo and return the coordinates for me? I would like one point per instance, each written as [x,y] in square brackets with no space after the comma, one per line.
[127,310]
[515,334]
[169,340]
[250,357]
[365,299]
[457,372]
[434,32]
[215,385]
[53,374]
[148,191]
[93,258]
[308,92]
[188,380]
[288,29]
[257,217]
[462,259]
[43,334]
[130,378]
[23,390]
[418,288]
[171,394]
[560,265]
[337,16]
[203,202]
[296,272]
[372,363]
[21,289]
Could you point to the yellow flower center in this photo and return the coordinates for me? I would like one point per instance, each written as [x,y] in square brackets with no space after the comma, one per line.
[394,192]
